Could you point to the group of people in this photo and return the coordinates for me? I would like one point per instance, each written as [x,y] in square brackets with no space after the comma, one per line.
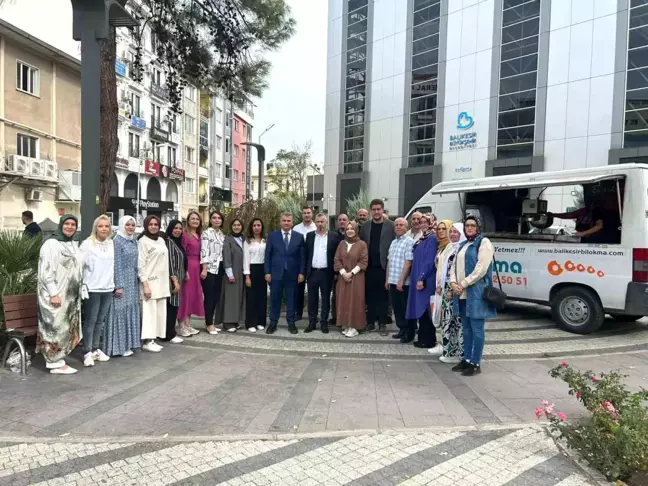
[138,291]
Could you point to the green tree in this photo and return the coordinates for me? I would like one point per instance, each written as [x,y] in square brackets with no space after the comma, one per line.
[360,201]
[289,170]
[214,44]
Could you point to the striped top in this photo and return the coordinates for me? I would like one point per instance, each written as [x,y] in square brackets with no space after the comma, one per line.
[176,269]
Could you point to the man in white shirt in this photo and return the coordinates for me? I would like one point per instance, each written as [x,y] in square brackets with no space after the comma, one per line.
[321,246]
[415,233]
[306,226]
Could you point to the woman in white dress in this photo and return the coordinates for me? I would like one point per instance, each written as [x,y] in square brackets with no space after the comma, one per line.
[153,272]
[98,253]
[59,297]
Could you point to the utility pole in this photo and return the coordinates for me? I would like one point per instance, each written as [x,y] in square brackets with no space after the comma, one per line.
[92,21]
[261,159]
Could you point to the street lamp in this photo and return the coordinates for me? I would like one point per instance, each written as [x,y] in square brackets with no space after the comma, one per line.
[312,176]
[270,127]
[92,21]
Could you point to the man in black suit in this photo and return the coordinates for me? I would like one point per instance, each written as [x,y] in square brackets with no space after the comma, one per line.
[320,252]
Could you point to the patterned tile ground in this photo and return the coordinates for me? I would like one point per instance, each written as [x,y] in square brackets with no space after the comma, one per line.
[489,457]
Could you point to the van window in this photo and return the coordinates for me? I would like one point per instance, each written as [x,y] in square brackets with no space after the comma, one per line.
[591,210]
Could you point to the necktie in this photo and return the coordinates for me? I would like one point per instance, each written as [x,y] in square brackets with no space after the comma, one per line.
[286,240]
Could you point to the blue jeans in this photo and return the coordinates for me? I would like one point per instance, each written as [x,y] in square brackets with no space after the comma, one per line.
[473,335]
[95,309]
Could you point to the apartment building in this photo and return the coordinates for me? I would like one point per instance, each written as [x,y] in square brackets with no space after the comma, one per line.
[40,127]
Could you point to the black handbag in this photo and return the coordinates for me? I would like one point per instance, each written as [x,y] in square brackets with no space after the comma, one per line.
[494,296]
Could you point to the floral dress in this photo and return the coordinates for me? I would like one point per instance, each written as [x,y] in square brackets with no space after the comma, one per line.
[123,329]
[452,335]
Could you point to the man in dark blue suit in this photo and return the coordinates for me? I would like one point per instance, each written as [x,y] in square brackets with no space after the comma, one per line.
[284,269]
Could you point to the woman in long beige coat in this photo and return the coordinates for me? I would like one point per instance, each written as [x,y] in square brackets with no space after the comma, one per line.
[351,259]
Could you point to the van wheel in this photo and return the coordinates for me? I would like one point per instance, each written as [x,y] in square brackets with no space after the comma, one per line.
[577,310]
[625,318]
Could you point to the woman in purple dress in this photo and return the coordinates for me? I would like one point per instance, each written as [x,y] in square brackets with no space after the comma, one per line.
[424,274]
[191,300]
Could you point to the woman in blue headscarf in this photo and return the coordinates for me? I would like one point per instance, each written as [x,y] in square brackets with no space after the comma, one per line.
[59,297]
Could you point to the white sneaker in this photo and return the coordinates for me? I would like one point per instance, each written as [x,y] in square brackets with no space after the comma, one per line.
[176,340]
[352,333]
[232,329]
[450,359]
[151,347]
[128,353]
[192,331]
[64,370]
[88,360]
[260,328]
[185,333]
[345,330]
[437,350]
[252,329]
[99,355]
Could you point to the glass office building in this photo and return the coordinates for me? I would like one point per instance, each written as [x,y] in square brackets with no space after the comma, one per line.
[420,91]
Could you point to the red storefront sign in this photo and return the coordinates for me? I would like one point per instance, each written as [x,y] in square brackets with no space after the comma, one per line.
[152,168]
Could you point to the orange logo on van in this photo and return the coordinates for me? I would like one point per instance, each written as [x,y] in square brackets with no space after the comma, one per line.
[555,268]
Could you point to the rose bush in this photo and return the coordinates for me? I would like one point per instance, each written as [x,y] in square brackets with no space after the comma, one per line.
[613,438]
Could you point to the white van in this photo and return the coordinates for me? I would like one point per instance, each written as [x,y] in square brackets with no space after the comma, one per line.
[580,278]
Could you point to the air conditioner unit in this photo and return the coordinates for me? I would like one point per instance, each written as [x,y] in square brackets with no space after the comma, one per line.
[36,168]
[51,170]
[34,195]
[17,164]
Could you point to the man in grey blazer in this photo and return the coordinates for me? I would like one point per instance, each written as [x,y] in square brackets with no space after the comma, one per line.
[378,235]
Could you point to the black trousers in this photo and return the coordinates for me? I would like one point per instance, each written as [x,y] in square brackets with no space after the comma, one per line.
[376,295]
[172,317]
[319,281]
[399,302]
[299,301]
[212,287]
[256,303]
[426,331]
[333,301]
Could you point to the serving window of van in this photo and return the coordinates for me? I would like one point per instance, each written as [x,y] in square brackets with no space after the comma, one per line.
[589,212]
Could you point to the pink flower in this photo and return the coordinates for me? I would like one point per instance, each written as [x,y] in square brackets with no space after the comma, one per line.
[550,409]
[561,416]
[544,403]
[563,364]
[538,412]
[595,379]
[578,395]
[609,407]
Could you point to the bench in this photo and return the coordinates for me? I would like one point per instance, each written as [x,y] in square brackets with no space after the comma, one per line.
[21,321]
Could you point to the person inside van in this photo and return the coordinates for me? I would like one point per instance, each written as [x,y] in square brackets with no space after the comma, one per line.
[597,222]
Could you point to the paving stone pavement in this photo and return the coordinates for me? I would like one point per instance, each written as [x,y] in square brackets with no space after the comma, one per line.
[489,457]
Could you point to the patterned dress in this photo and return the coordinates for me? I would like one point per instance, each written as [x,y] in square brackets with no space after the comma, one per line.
[452,335]
[122,331]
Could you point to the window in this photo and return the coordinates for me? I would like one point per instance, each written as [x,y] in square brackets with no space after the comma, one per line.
[635,125]
[189,154]
[156,76]
[228,116]
[227,145]
[244,130]
[218,169]
[27,78]
[174,123]
[423,93]
[27,146]
[135,101]
[518,78]
[235,175]
[190,93]
[190,124]
[236,125]
[172,157]
[219,115]
[228,172]
[189,185]
[356,67]
[219,141]
[156,148]
[133,145]
[243,153]
[236,150]
[156,116]
[243,176]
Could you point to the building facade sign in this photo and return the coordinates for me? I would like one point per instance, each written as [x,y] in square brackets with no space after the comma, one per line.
[176,174]
[152,168]
[464,139]
[121,163]
[159,134]
[120,68]
[128,204]
[159,91]
[137,122]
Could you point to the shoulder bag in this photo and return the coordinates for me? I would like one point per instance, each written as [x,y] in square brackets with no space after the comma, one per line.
[494,296]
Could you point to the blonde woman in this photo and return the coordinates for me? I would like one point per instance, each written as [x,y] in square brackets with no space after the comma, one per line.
[98,253]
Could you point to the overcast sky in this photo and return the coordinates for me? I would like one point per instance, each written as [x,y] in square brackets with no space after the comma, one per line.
[295,101]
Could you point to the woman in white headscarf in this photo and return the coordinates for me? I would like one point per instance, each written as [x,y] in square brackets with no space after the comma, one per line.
[123,331]
[446,308]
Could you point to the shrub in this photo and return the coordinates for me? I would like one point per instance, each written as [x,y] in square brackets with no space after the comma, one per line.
[614,437]
[359,201]
[18,264]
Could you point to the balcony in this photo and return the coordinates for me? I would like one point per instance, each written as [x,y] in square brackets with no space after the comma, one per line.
[203,199]
[159,91]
